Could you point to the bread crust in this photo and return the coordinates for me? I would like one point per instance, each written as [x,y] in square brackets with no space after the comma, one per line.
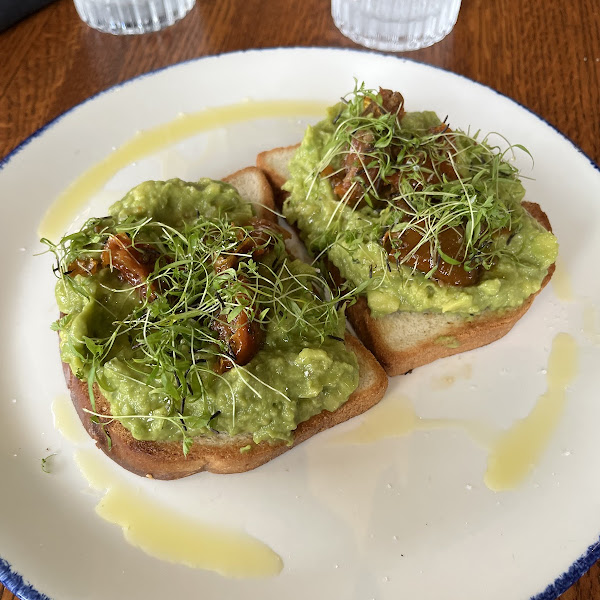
[465,334]
[381,335]
[274,164]
[253,185]
[218,453]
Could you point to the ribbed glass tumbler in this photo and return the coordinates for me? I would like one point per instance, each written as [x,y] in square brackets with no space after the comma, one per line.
[395,25]
[124,17]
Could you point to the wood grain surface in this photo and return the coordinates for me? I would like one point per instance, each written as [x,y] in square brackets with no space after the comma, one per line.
[545,54]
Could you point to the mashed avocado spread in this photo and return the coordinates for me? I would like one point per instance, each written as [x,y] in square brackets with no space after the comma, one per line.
[188,313]
[426,218]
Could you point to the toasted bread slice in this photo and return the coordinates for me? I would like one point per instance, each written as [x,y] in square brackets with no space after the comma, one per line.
[219,452]
[404,340]
[274,164]
[252,185]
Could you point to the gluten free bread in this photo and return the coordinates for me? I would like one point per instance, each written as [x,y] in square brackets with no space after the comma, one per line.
[347,179]
[214,450]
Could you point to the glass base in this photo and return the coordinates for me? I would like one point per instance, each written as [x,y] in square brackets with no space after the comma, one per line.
[130,17]
[395,25]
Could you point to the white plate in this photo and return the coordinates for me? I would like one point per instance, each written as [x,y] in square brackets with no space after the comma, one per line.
[403,517]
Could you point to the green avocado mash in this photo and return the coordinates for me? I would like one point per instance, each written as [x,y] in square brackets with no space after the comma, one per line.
[152,346]
[509,248]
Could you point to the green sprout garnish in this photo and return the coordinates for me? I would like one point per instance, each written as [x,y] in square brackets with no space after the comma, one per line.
[47,462]
[163,328]
[425,180]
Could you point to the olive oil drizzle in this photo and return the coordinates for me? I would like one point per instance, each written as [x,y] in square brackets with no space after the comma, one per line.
[513,453]
[157,529]
[561,282]
[164,534]
[520,447]
[65,421]
[145,143]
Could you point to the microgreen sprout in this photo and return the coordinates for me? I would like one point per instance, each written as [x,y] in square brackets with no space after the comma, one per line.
[399,177]
[47,463]
[163,329]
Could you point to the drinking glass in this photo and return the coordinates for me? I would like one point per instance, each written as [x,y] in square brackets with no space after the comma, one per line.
[132,16]
[395,25]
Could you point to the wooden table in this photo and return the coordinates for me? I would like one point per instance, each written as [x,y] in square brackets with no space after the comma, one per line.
[543,53]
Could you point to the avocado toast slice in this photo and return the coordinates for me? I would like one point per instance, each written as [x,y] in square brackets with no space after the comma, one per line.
[428,221]
[192,341]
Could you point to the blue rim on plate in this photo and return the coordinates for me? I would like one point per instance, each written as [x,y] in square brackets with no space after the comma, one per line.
[15,582]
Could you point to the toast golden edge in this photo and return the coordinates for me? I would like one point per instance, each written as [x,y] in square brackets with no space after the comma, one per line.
[465,334]
[219,453]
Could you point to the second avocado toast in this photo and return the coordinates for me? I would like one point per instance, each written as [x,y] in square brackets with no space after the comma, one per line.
[429,221]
